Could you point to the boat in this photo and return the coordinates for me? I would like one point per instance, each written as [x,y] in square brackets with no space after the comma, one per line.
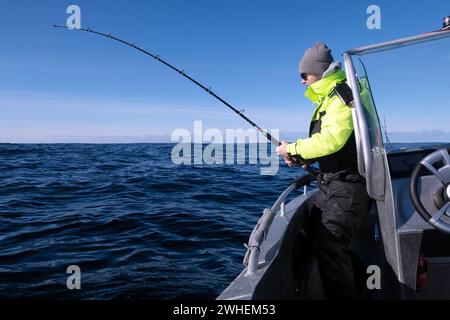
[403,250]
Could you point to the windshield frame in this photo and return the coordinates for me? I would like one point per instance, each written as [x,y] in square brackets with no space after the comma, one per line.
[363,145]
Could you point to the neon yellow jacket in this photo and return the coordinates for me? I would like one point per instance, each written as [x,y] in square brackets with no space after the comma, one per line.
[335,116]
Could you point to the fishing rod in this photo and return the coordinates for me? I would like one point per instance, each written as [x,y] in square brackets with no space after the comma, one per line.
[266,134]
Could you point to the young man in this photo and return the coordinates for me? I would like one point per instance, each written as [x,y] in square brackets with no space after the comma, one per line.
[341,201]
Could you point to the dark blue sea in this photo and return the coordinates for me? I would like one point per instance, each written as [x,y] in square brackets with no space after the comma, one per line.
[137,225]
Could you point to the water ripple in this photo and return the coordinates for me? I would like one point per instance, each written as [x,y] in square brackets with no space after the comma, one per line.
[138,226]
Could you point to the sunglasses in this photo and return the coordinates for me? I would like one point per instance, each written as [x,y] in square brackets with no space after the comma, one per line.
[304,76]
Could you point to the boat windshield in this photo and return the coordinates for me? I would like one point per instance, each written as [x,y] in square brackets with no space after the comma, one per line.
[410,87]
[376,174]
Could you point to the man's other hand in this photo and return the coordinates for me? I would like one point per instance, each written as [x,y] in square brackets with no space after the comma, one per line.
[288,161]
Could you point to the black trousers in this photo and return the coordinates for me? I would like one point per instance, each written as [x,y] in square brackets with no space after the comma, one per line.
[340,208]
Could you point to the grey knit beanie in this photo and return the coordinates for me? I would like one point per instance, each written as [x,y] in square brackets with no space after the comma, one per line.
[316,59]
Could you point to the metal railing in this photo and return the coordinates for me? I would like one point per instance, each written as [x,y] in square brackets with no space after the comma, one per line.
[361,125]
[400,43]
[259,233]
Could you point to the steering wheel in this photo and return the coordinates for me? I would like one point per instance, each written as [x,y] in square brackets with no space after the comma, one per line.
[442,159]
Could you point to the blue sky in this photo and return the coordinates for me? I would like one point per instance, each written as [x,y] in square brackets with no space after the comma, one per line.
[56,85]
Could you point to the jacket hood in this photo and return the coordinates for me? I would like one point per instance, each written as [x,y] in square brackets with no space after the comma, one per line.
[322,88]
[334,66]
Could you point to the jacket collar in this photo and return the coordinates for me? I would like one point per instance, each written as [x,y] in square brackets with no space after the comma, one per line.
[322,88]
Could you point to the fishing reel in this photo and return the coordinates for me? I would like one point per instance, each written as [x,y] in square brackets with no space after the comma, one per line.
[298,161]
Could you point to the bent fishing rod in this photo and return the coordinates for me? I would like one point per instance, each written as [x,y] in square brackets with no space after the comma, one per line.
[208,90]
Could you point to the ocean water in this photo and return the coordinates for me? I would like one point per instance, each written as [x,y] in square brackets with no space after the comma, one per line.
[137,225]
